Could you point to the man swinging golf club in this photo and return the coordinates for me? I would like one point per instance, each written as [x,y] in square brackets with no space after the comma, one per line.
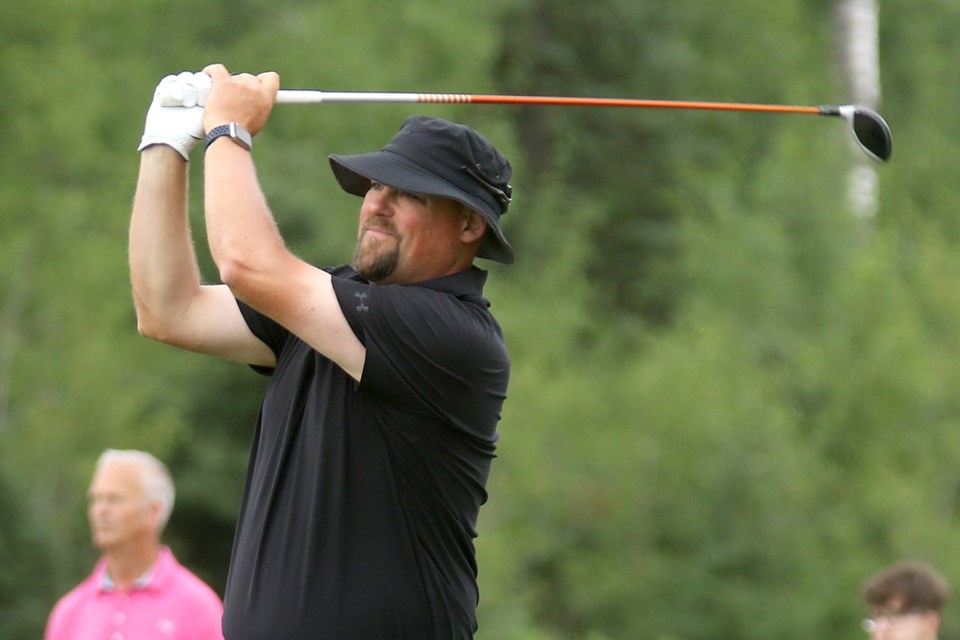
[375,437]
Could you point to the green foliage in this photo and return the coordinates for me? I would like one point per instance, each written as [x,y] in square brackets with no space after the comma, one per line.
[731,400]
[630,160]
[26,578]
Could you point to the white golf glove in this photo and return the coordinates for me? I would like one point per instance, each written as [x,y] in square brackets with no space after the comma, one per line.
[175,117]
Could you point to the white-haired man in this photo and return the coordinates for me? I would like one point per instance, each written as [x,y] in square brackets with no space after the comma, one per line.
[137,590]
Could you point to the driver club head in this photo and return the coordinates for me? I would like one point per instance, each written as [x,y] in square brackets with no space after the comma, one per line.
[869,129]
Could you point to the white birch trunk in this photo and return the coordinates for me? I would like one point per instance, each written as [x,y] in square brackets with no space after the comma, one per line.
[860,60]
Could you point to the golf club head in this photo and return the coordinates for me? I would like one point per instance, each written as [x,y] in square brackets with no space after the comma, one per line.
[869,129]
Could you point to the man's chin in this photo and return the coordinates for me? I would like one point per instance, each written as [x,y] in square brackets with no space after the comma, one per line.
[104,540]
[375,267]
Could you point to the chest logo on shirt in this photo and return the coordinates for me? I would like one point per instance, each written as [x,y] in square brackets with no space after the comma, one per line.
[166,627]
[362,298]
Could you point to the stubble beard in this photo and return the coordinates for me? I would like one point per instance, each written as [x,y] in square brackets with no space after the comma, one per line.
[375,263]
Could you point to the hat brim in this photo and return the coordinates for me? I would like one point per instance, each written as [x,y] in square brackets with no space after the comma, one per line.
[355,173]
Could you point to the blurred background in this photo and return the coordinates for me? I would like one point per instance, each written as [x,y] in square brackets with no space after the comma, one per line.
[735,339]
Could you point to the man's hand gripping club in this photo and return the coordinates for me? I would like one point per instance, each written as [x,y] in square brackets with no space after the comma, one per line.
[242,98]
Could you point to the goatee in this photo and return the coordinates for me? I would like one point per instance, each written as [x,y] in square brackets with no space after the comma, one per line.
[373,265]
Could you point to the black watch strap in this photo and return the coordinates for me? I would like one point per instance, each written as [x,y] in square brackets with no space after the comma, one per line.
[232,130]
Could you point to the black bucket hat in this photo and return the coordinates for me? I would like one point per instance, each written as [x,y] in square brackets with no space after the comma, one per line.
[436,157]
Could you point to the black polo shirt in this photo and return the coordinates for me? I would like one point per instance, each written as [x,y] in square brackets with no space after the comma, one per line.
[361,499]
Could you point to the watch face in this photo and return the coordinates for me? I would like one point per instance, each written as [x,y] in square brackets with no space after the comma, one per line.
[241,136]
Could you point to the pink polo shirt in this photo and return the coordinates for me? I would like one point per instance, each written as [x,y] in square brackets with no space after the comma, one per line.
[169,604]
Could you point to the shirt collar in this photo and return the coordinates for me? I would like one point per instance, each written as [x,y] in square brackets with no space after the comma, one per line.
[151,577]
[464,283]
[140,583]
[467,283]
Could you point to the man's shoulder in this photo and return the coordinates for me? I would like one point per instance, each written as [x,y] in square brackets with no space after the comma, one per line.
[69,604]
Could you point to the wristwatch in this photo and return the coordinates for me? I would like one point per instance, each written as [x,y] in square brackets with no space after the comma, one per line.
[237,133]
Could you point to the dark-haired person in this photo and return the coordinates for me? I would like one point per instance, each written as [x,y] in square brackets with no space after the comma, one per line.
[906,602]
[375,437]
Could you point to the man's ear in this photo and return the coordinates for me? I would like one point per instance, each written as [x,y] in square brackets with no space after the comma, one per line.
[154,509]
[474,226]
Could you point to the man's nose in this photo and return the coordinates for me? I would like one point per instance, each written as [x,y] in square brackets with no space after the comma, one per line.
[381,200]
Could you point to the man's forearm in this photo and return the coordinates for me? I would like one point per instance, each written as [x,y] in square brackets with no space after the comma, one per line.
[243,236]
[163,263]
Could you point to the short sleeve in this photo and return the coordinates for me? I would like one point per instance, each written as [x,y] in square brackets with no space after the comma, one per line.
[429,351]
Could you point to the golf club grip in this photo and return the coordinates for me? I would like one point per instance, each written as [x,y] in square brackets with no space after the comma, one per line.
[296,96]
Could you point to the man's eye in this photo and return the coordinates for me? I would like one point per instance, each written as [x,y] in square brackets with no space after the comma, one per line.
[375,186]
[416,197]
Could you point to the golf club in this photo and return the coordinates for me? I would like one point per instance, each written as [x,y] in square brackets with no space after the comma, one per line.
[869,128]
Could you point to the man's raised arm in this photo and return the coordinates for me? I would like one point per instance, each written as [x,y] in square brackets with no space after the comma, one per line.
[172,304]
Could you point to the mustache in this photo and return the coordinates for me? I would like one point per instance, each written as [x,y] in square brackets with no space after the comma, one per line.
[380,225]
